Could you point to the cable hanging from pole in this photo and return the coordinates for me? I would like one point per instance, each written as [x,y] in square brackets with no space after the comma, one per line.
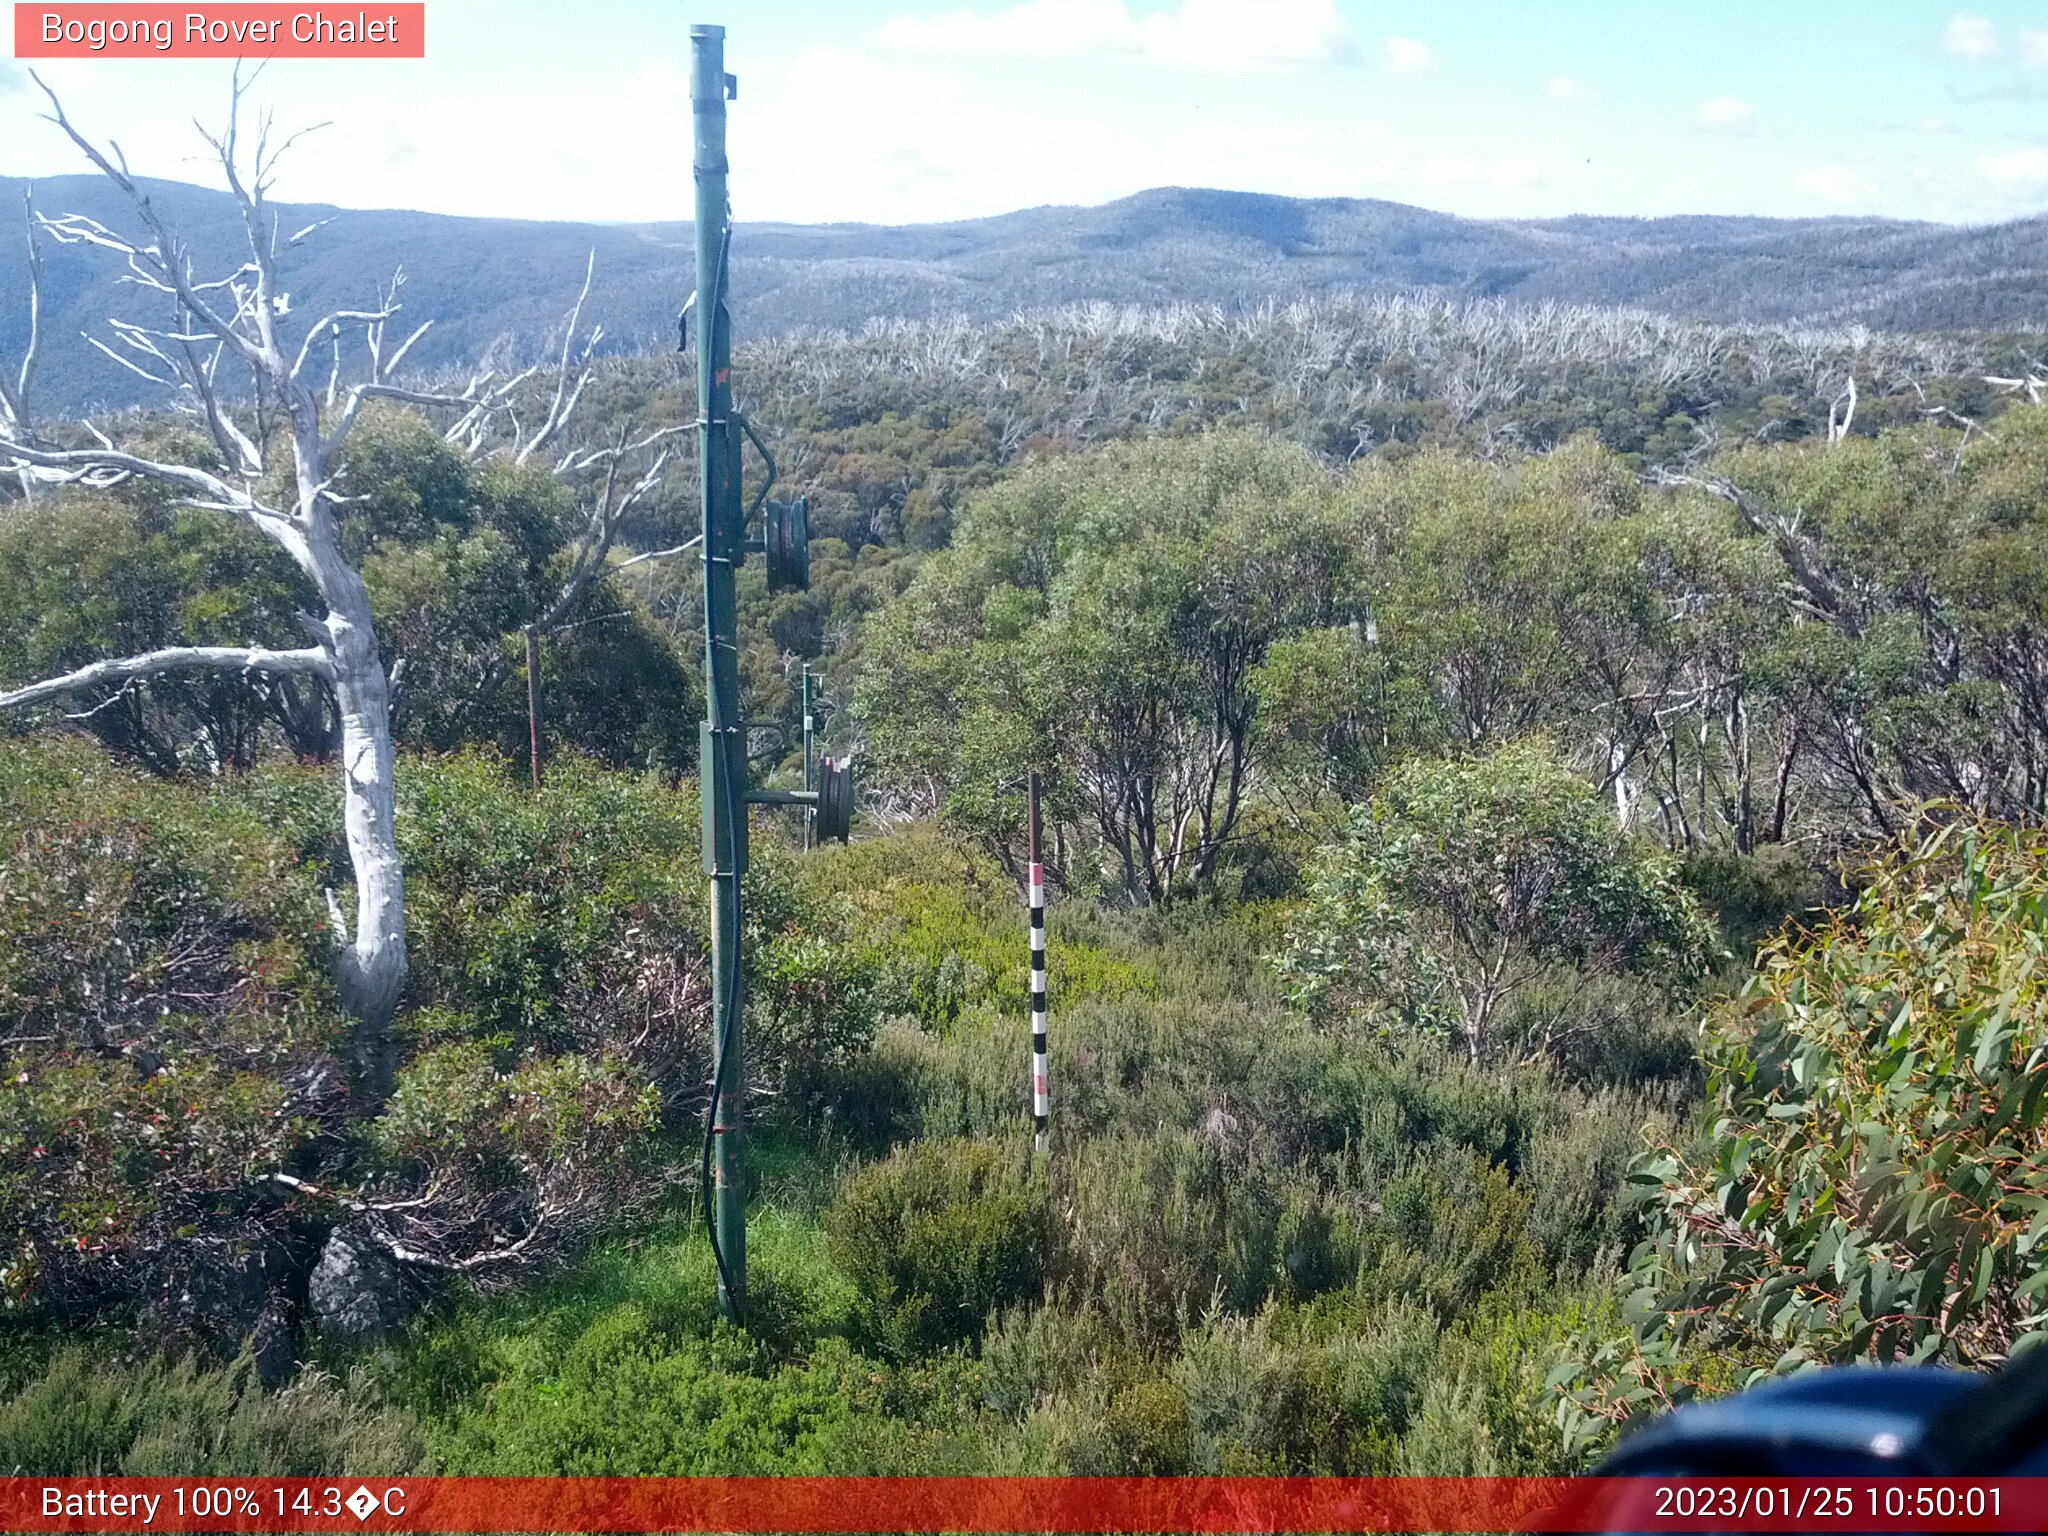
[723,1034]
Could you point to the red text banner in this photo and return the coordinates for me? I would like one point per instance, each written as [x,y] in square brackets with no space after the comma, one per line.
[1056,1504]
[105,30]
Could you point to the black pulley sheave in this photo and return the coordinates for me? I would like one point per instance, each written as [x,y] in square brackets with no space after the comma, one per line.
[835,800]
[786,541]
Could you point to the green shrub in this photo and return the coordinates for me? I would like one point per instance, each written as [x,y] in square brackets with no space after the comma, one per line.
[88,1415]
[796,1297]
[1145,1432]
[1266,1397]
[940,1236]
[1871,1187]
[1451,1227]
[1581,1211]
[171,1038]
[631,1397]
[1161,1230]
[1465,880]
[1753,895]
[561,918]
[1034,1353]
[574,920]
[943,929]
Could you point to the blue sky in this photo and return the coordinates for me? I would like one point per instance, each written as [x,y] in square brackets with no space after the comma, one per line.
[914,110]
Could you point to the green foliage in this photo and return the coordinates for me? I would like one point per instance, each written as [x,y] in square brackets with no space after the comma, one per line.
[1872,1186]
[88,1415]
[171,1033]
[943,930]
[169,946]
[1326,706]
[624,1368]
[1462,882]
[942,1235]
[1752,896]
[85,577]
[628,1399]
[1101,618]
[561,917]
[457,558]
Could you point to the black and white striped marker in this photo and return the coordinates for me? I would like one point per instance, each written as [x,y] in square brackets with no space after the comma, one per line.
[1041,1099]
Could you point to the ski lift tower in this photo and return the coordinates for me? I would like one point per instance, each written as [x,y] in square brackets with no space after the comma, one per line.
[722,744]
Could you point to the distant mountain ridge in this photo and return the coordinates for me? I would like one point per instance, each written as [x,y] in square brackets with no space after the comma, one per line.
[494,287]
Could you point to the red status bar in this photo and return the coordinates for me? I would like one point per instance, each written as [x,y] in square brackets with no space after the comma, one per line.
[1055,1504]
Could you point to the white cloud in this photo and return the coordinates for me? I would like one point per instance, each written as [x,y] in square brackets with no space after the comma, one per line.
[1726,113]
[1223,36]
[2034,47]
[1235,35]
[2018,169]
[1836,185]
[1970,37]
[933,148]
[1407,56]
[1034,29]
[1565,88]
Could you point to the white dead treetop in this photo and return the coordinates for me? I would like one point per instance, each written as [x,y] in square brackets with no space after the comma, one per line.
[222,344]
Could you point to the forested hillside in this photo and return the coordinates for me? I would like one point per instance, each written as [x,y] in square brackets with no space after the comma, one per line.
[492,285]
[1544,806]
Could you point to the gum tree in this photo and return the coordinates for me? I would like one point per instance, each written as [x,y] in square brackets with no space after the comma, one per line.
[1465,882]
[276,414]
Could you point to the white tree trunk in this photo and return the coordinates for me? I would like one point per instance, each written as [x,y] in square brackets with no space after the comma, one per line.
[374,962]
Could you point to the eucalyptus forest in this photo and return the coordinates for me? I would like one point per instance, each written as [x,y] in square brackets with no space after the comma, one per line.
[1543,810]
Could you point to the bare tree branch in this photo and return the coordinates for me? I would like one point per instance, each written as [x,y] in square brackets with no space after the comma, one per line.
[660,554]
[566,395]
[16,395]
[189,658]
[1801,557]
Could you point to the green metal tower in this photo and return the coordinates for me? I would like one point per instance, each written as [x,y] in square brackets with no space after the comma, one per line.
[722,744]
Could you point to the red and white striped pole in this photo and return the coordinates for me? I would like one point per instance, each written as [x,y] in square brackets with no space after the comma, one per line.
[1041,1099]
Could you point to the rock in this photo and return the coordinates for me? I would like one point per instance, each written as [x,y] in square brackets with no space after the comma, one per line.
[271,1348]
[357,1292]
[208,1299]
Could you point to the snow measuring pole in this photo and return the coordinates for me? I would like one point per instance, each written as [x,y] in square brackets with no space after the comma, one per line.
[722,743]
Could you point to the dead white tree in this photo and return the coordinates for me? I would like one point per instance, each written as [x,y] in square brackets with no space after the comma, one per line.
[223,346]
[16,393]
[1842,412]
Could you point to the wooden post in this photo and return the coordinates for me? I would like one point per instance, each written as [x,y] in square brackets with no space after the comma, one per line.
[533,700]
[1041,1098]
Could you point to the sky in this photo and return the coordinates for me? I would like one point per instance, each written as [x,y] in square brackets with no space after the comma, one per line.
[911,111]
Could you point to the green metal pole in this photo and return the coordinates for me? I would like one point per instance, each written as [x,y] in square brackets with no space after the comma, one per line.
[722,744]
